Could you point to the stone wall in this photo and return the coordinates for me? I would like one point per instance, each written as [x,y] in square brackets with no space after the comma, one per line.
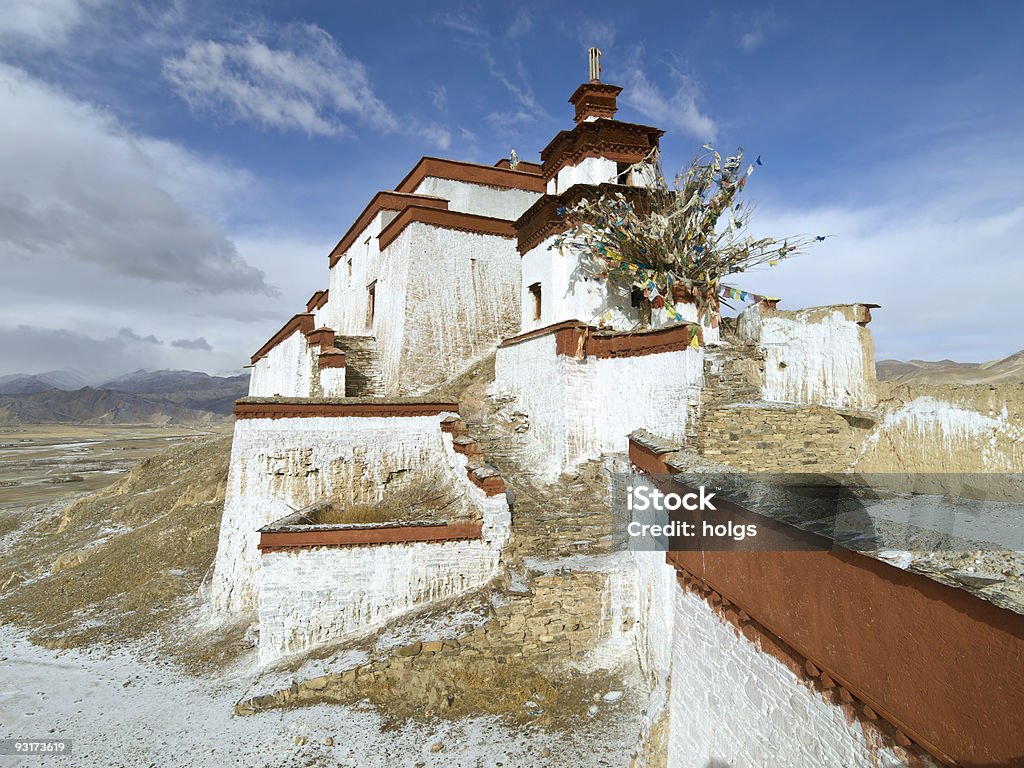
[760,437]
[580,618]
[947,429]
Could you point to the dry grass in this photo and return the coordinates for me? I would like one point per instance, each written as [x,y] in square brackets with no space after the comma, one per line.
[125,562]
[418,500]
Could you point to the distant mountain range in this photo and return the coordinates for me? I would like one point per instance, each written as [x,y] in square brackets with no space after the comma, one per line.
[1008,370]
[162,397]
[24,384]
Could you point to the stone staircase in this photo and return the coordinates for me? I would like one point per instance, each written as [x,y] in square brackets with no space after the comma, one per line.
[362,366]
[565,517]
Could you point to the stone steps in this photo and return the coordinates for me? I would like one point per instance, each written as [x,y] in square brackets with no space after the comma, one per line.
[568,516]
[362,366]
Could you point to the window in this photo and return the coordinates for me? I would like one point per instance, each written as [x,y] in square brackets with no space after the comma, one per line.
[535,293]
[623,173]
[371,297]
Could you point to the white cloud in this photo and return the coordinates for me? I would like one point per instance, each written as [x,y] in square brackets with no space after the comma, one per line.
[751,41]
[439,97]
[947,281]
[464,24]
[591,33]
[679,110]
[515,78]
[757,30]
[521,24]
[200,344]
[43,23]
[308,83]
[77,184]
[302,81]
[109,324]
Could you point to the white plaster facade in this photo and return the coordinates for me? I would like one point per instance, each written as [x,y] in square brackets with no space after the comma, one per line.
[441,296]
[481,199]
[567,293]
[580,409]
[332,382]
[285,371]
[599,170]
[347,307]
[281,465]
[310,596]
[448,298]
[727,702]
[731,704]
[815,356]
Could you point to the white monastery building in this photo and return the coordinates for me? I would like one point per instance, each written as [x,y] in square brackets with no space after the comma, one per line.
[348,415]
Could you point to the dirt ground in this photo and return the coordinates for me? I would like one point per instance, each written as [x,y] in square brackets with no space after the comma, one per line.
[125,562]
[120,570]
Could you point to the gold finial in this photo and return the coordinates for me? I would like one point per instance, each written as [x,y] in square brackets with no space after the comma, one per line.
[595,65]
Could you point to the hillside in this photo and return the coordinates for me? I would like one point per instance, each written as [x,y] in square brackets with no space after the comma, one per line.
[143,397]
[187,389]
[24,383]
[122,562]
[1008,370]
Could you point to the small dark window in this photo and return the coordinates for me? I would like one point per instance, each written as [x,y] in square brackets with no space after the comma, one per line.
[623,174]
[535,293]
[371,297]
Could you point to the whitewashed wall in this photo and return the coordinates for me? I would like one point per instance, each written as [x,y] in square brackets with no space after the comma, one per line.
[282,465]
[332,382]
[285,371]
[580,409]
[567,294]
[933,435]
[732,705]
[322,314]
[347,300]
[816,356]
[497,202]
[310,596]
[459,302]
[597,170]
[652,636]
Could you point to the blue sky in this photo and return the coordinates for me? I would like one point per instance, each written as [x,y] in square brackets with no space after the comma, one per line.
[176,173]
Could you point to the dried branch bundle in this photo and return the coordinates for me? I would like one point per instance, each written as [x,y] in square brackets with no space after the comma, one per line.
[673,242]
